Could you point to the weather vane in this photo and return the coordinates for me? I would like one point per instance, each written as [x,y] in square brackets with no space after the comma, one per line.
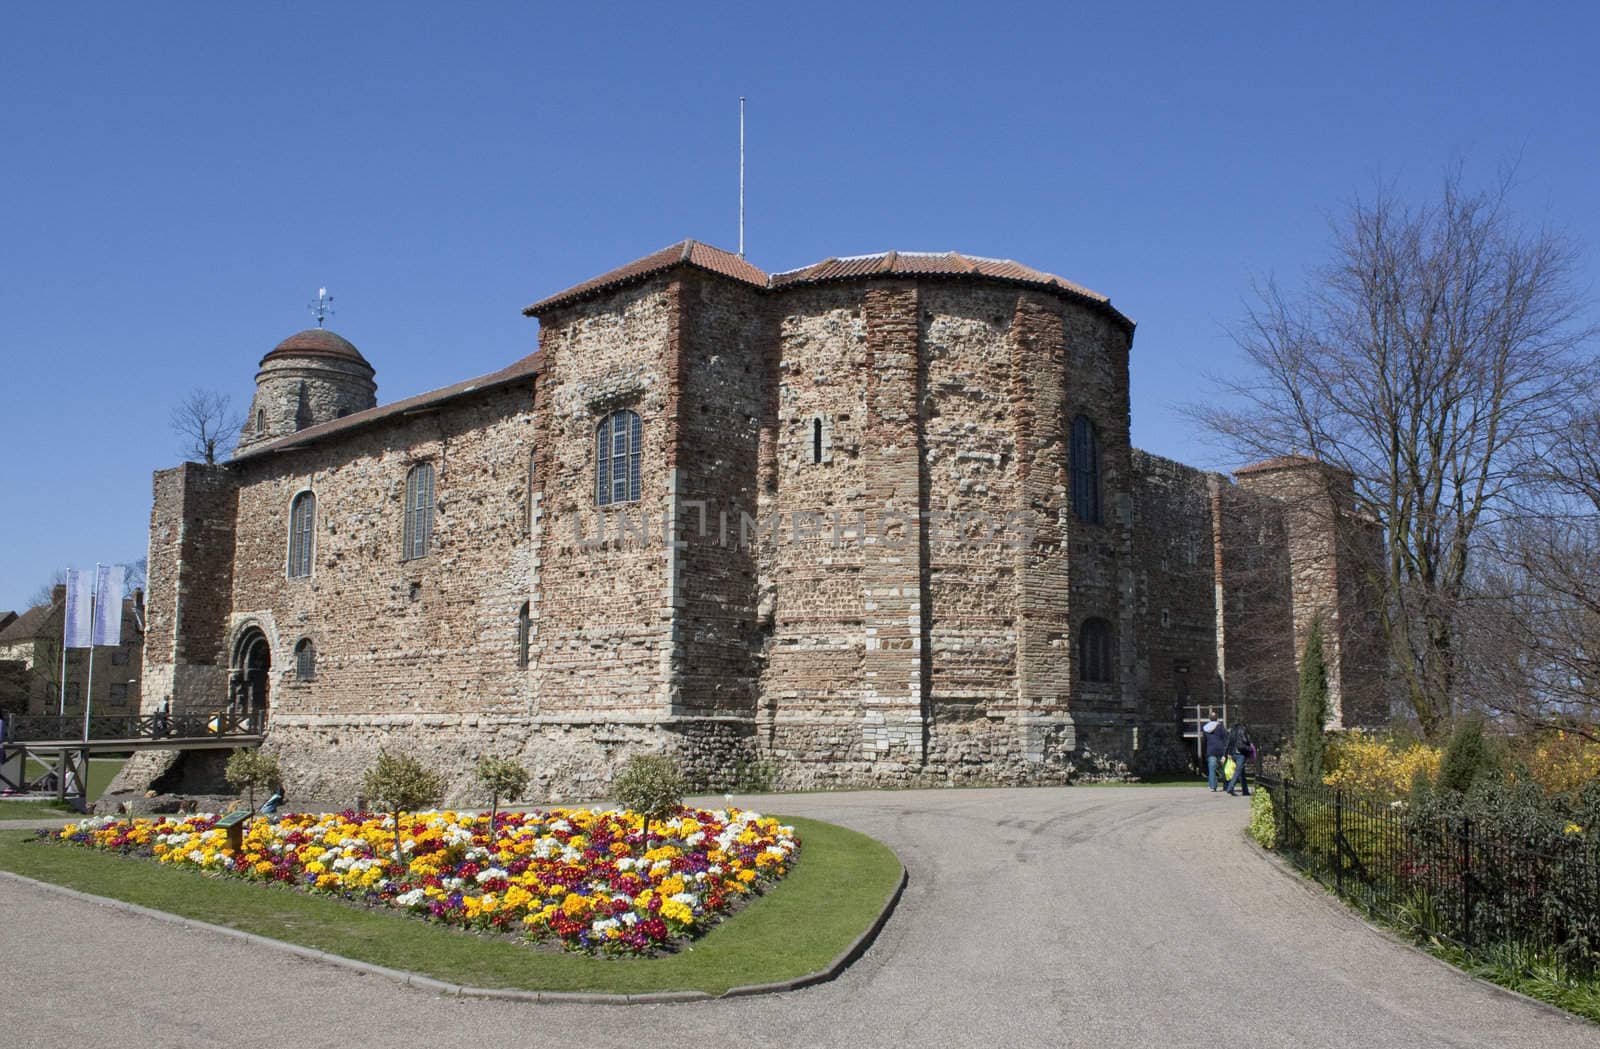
[322,307]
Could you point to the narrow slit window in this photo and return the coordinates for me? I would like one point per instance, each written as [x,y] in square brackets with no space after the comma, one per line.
[302,522]
[816,440]
[524,635]
[418,538]
[1085,465]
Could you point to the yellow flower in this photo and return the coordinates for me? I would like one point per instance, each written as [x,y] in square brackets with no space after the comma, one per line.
[674,911]
[1572,828]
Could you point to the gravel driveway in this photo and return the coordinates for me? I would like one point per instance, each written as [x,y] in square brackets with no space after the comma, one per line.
[1082,916]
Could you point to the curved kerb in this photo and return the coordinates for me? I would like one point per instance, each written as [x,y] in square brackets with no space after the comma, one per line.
[855,950]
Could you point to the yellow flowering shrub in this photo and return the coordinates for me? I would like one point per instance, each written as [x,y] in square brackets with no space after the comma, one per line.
[1563,762]
[1368,764]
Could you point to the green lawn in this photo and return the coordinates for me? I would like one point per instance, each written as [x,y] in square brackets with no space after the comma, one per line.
[101,773]
[828,899]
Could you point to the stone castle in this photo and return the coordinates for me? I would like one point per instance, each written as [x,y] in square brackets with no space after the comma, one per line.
[874,521]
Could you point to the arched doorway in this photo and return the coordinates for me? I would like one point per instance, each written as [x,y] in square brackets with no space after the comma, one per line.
[250,678]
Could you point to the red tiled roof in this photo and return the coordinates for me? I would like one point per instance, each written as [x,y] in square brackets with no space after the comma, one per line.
[948,263]
[525,368]
[316,342]
[1282,462]
[884,264]
[683,253]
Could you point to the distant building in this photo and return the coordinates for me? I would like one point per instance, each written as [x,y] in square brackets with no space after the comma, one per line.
[30,646]
[746,518]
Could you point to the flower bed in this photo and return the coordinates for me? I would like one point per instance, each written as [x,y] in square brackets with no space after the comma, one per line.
[581,878]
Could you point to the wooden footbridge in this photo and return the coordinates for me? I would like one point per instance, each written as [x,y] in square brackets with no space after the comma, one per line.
[63,748]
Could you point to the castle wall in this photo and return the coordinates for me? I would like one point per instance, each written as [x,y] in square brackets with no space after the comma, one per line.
[189,576]
[812,604]
[1177,557]
[604,628]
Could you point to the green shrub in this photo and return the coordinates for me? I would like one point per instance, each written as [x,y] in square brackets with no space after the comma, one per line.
[1467,759]
[1263,828]
[502,778]
[651,785]
[252,769]
[400,783]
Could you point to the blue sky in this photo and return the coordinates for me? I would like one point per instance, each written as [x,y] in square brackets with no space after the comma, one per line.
[179,179]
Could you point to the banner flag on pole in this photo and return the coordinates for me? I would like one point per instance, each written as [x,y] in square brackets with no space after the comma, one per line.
[80,597]
[108,602]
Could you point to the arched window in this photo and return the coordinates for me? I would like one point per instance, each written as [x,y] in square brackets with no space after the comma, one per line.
[305,660]
[302,524]
[419,512]
[261,421]
[1094,652]
[524,635]
[617,443]
[1085,471]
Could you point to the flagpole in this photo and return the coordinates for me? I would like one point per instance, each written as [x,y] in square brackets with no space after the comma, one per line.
[88,692]
[63,711]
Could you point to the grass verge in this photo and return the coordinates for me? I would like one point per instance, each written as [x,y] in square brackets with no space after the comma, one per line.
[830,897]
[1528,972]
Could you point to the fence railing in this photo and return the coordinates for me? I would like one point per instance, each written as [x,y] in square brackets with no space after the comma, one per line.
[24,728]
[1449,879]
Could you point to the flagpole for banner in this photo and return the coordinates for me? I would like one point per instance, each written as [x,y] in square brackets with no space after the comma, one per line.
[88,692]
[63,711]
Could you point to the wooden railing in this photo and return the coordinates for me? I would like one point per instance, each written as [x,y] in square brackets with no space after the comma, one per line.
[24,728]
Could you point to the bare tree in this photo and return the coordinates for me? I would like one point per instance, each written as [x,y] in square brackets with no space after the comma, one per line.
[1434,357]
[1538,631]
[205,421]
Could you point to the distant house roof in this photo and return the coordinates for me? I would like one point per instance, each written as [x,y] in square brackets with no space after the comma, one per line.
[6,619]
[949,264]
[36,622]
[26,626]
[525,368]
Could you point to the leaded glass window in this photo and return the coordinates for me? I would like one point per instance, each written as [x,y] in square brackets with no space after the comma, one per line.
[305,660]
[302,522]
[1094,652]
[419,512]
[1085,467]
[617,444]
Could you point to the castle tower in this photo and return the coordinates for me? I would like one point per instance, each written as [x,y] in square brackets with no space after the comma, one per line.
[309,378]
[1333,552]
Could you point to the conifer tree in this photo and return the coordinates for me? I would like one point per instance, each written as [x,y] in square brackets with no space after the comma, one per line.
[1311,711]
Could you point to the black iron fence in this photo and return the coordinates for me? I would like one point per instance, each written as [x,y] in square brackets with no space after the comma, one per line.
[1471,885]
[24,728]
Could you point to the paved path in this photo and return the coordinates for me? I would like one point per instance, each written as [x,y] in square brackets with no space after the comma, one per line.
[1049,917]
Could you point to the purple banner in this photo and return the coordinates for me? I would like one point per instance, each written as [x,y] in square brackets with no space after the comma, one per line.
[108,604]
[80,599]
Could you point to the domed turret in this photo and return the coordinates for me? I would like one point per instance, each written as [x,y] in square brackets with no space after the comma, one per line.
[309,378]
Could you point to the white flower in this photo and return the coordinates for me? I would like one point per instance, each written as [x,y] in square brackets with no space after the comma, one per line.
[410,899]
[687,898]
[489,873]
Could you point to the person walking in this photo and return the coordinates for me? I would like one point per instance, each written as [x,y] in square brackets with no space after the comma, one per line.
[1241,749]
[1215,735]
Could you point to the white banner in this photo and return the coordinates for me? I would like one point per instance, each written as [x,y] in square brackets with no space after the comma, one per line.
[80,599]
[108,604]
